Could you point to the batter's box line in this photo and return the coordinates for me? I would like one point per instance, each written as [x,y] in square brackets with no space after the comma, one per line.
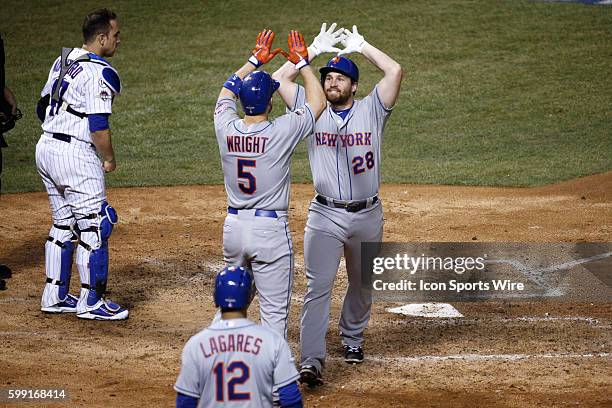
[537,275]
[480,357]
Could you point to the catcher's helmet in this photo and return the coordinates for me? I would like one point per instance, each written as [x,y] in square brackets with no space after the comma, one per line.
[342,65]
[234,288]
[256,91]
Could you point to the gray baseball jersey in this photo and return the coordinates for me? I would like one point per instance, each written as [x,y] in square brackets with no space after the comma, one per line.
[235,363]
[256,159]
[345,157]
[345,153]
[256,166]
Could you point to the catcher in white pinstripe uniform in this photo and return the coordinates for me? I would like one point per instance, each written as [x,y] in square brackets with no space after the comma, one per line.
[72,155]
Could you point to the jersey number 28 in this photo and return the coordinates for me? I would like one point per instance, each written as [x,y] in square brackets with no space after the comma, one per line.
[360,163]
[241,375]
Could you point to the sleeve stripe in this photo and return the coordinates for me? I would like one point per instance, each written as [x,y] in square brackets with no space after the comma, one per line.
[311,115]
[380,101]
[190,393]
[297,93]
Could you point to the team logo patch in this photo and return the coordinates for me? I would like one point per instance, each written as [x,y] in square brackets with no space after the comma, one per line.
[301,111]
[222,107]
[104,95]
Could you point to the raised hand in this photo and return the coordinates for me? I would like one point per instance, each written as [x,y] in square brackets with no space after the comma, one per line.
[262,52]
[298,53]
[352,42]
[326,40]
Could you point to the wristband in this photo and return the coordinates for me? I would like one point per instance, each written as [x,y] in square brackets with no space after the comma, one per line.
[233,84]
[253,60]
[302,63]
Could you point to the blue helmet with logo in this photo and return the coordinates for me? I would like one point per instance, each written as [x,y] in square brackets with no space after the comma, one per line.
[234,288]
[256,91]
[342,65]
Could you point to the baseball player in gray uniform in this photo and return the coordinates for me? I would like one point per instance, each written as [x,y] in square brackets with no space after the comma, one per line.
[236,362]
[345,157]
[256,157]
[75,106]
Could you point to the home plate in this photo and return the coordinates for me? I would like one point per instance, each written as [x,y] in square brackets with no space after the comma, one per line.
[426,310]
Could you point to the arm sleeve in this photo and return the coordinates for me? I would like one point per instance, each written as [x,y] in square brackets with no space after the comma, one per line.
[188,381]
[185,401]
[299,123]
[98,121]
[300,98]
[376,105]
[98,93]
[226,111]
[284,370]
[290,396]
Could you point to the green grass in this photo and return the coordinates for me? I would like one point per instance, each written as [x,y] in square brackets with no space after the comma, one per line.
[495,92]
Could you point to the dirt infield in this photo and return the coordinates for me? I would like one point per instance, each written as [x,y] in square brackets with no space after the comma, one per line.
[167,248]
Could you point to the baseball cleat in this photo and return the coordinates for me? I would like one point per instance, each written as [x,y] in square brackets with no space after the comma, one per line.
[104,310]
[353,354]
[67,305]
[310,376]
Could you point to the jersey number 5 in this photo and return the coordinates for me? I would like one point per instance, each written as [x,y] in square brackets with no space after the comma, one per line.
[232,395]
[249,185]
[361,162]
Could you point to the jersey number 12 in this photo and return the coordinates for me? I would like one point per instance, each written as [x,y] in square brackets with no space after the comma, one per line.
[232,368]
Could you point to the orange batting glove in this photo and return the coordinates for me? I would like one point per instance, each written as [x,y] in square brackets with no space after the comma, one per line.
[298,53]
[261,52]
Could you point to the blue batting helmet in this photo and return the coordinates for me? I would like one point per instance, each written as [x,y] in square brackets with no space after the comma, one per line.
[342,65]
[256,91]
[234,288]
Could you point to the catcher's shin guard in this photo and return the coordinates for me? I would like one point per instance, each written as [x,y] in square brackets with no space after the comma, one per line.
[58,265]
[92,255]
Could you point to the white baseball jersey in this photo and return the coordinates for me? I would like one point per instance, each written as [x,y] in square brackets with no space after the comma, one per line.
[86,87]
[235,363]
[345,153]
[256,159]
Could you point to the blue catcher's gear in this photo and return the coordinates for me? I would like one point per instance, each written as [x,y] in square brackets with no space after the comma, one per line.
[342,65]
[58,260]
[98,258]
[256,92]
[234,288]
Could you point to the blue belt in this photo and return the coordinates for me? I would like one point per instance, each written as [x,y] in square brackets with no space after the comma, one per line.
[258,213]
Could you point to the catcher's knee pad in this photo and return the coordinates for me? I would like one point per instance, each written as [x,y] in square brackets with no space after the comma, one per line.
[58,253]
[108,219]
[94,240]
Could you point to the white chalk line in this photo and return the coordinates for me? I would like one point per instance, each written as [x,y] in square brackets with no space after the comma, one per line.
[479,357]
